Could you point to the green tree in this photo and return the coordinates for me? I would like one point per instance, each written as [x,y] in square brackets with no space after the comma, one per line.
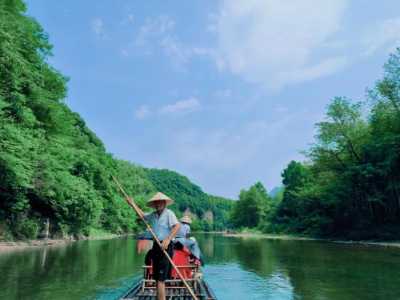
[252,207]
[350,185]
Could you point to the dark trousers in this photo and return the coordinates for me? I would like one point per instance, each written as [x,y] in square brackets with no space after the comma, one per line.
[161,265]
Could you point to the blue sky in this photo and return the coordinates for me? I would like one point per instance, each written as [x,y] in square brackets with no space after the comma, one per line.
[224,92]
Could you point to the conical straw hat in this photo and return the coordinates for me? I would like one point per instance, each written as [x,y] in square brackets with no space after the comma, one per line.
[186,219]
[160,197]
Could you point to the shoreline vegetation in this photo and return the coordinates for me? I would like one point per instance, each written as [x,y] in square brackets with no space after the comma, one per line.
[288,237]
[12,246]
[15,245]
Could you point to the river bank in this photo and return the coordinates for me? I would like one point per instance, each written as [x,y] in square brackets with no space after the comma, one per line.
[22,245]
[305,238]
[7,246]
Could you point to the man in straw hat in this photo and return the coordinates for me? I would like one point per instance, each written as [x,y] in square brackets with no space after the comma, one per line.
[165,226]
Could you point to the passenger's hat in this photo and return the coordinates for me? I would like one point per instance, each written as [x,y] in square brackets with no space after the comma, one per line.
[160,197]
[186,219]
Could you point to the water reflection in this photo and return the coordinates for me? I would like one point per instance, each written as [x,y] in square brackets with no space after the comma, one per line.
[230,281]
[73,271]
[236,268]
[304,269]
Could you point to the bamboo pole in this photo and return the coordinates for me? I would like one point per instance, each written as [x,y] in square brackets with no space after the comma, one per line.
[132,203]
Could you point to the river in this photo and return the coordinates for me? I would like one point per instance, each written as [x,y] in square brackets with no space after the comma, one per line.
[236,268]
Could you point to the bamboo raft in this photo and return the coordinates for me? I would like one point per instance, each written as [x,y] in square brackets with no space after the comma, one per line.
[145,289]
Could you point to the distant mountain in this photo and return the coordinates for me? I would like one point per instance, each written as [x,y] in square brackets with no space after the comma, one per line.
[275,191]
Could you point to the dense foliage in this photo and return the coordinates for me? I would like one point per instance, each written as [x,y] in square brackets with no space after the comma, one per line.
[350,185]
[252,207]
[51,165]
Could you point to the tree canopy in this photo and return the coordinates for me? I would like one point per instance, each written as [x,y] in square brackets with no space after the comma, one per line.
[252,207]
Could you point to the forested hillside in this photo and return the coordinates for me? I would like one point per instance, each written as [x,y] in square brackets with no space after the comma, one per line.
[349,187]
[212,212]
[52,166]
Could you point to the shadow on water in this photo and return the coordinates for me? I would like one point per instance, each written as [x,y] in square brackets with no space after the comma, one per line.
[236,268]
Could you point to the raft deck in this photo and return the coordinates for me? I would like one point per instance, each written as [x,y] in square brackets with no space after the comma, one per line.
[145,289]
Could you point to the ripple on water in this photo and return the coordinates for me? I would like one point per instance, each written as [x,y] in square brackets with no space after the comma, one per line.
[115,292]
[230,281]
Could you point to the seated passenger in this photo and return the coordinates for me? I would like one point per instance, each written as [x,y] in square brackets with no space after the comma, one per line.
[183,237]
[184,230]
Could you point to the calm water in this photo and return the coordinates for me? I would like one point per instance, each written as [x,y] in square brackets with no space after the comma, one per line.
[236,269]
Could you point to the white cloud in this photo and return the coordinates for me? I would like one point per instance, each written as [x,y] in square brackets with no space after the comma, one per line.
[175,50]
[231,148]
[142,112]
[271,42]
[181,107]
[236,154]
[384,35]
[159,34]
[324,68]
[274,42]
[98,27]
[154,28]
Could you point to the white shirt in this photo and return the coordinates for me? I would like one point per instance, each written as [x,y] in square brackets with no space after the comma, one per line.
[162,224]
[184,230]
